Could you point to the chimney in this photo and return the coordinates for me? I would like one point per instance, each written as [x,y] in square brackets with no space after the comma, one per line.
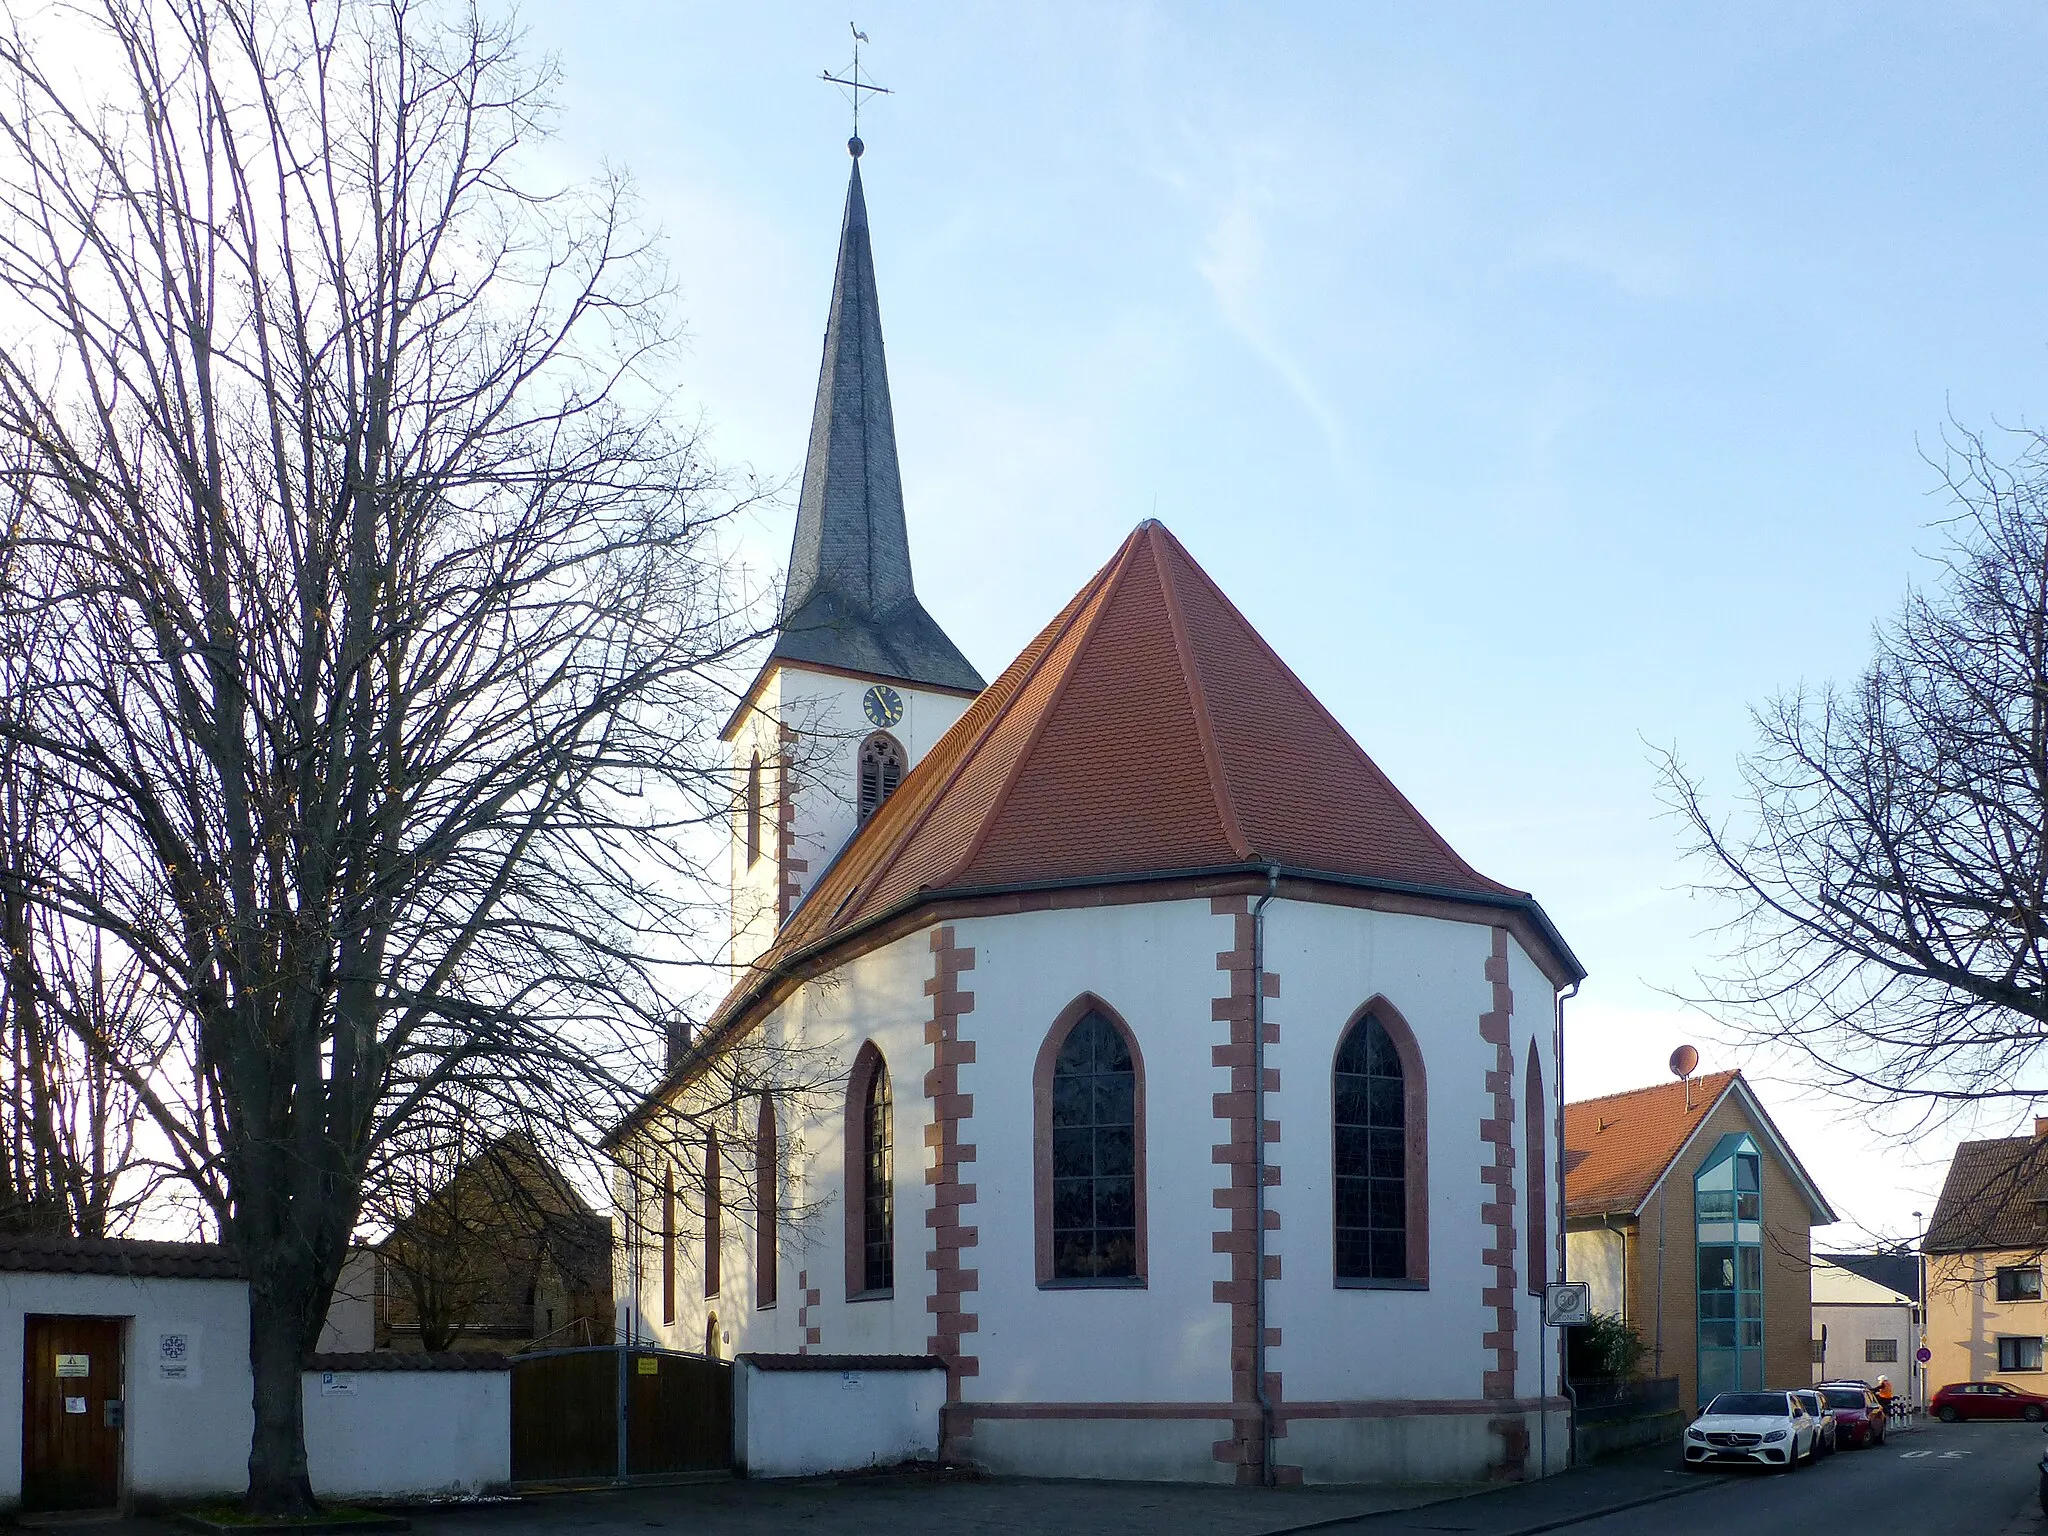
[2041,1127]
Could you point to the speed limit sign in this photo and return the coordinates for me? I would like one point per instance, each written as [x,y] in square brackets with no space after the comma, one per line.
[1567,1303]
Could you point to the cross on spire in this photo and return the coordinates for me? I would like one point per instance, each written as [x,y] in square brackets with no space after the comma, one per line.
[854,85]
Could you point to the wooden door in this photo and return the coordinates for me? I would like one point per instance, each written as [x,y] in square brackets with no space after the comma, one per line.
[72,1406]
[565,1416]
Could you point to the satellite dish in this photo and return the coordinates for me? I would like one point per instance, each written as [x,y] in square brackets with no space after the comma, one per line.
[1683,1061]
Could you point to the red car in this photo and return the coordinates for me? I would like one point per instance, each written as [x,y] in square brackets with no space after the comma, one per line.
[1859,1416]
[1988,1400]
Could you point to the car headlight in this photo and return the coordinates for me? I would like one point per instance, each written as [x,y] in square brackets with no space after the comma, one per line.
[1695,1434]
[1776,1434]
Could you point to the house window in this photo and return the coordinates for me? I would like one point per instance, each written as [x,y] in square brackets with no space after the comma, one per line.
[1377,1153]
[1880,1351]
[2019,1354]
[752,810]
[870,1178]
[1728,1228]
[767,1204]
[881,770]
[2020,1284]
[668,1245]
[1090,1096]
[1537,1175]
[711,1205]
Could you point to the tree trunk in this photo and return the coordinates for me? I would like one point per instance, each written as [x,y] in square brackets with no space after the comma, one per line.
[278,1482]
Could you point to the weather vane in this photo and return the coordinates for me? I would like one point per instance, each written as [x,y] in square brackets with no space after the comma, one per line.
[854,85]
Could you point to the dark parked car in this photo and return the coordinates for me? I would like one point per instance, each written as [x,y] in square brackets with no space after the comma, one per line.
[1988,1400]
[1860,1418]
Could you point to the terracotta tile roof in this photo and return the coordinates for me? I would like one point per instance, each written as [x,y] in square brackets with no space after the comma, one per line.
[1617,1147]
[118,1256]
[1147,728]
[1995,1196]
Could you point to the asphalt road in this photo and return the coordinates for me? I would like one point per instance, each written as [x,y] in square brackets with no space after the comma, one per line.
[1941,1480]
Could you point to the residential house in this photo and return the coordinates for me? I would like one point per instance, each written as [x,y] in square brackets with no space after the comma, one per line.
[1866,1319]
[1986,1318]
[1690,1216]
[504,1254]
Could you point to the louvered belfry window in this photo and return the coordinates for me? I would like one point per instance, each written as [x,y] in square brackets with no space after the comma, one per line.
[881,770]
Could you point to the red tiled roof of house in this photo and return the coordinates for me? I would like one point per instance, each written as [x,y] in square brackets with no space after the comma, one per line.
[1617,1147]
[1147,728]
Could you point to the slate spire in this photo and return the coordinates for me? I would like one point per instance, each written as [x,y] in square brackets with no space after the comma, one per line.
[850,602]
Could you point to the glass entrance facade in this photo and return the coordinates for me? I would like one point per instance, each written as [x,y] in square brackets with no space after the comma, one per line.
[1727,1195]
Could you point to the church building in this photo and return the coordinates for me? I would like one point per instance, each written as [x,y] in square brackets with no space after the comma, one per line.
[1189,1097]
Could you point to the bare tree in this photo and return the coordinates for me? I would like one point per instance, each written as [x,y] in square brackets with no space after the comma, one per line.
[388,606]
[1887,867]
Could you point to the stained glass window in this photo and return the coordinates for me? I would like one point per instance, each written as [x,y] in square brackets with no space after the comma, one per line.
[878,1197]
[1094,1155]
[1370,1156]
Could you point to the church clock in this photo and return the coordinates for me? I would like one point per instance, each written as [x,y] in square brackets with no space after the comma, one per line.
[882,705]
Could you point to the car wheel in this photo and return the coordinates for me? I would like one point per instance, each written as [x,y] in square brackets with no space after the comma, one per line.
[2033,1413]
[1949,1414]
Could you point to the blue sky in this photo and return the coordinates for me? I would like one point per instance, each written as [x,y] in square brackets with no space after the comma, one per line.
[1544,382]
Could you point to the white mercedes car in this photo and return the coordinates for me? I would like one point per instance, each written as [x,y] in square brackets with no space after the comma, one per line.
[1764,1429]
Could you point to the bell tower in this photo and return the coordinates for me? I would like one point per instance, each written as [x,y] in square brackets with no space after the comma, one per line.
[861,680]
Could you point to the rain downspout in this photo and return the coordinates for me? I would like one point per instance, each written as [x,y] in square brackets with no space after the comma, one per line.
[1267,1427]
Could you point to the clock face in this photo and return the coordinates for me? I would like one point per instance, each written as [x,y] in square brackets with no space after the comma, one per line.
[882,705]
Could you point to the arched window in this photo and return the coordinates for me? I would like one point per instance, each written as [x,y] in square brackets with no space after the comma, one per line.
[881,770]
[1379,1153]
[1089,1091]
[767,1204]
[870,1178]
[711,1336]
[711,1204]
[1535,1142]
[668,1245]
[753,810]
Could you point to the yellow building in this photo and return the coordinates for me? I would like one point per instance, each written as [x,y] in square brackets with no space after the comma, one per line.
[1986,1319]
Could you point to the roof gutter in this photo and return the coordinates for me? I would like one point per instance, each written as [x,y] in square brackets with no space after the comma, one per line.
[796,959]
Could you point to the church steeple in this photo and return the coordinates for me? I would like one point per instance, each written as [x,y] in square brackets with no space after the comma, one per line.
[850,604]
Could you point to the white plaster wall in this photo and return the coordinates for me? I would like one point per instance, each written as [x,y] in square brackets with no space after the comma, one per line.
[1599,1256]
[1538,1362]
[800,1423]
[1848,1327]
[825,710]
[351,1324]
[878,996]
[1155,963]
[185,1438]
[1348,1344]
[399,1434]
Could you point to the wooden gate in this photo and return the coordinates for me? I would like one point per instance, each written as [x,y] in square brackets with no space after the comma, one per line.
[607,1413]
[71,1413]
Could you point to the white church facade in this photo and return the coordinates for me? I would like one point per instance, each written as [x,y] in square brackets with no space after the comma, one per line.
[1188,1098]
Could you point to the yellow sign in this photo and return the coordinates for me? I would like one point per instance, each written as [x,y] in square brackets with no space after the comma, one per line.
[648,1365]
[74,1365]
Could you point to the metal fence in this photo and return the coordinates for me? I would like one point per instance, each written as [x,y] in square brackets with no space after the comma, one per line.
[1601,1402]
